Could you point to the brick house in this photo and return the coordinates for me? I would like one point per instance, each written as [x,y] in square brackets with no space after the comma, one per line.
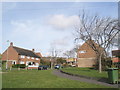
[15,55]
[86,56]
[115,56]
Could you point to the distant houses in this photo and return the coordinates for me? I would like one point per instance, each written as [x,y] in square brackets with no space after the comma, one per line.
[15,55]
[116,56]
[71,62]
[86,57]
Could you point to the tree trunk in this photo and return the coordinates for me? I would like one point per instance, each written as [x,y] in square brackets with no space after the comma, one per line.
[100,66]
[100,62]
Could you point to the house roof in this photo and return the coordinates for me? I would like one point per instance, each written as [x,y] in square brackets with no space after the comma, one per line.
[25,52]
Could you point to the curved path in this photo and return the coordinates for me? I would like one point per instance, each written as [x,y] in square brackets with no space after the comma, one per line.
[60,74]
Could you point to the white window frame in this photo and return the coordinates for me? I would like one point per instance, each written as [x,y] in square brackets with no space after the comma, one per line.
[22,56]
[37,58]
[28,57]
[82,51]
[32,58]
[13,62]
[22,62]
[37,64]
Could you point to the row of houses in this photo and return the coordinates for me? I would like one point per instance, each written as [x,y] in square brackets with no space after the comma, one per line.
[86,56]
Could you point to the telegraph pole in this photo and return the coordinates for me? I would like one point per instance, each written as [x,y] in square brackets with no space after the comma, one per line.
[7,57]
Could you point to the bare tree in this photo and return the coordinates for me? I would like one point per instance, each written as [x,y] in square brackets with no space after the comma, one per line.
[100,31]
[68,54]
[71,53]
[54,54]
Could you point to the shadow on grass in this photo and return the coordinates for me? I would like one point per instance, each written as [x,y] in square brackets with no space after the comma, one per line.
[103,80]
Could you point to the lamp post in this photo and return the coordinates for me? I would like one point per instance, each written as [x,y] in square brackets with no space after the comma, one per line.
[7,57]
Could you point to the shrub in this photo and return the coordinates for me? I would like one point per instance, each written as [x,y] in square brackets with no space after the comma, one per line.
[106,63]
[19,66]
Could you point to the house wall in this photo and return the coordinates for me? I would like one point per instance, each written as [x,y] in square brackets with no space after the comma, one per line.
[31,60]
[10,54]
[86,62]
[86,56]
[116,59]
[89,52]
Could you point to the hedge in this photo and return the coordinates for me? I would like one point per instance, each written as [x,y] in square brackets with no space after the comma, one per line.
[19,66]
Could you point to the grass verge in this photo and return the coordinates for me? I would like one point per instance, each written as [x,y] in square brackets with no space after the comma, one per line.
[41,79]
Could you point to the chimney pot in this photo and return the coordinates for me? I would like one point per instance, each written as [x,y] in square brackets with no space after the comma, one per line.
[33,49]
[11,44]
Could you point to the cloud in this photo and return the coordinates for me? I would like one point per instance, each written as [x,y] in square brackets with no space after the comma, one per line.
[9,5]
[62,22]
[61,41]
[26,31]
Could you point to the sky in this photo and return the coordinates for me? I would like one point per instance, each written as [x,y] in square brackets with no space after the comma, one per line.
[42,25]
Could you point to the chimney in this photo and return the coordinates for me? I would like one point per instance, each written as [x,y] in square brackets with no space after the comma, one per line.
[11,44]
[33,49]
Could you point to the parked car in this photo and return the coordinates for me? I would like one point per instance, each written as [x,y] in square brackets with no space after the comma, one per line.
[57,67]
[42,67]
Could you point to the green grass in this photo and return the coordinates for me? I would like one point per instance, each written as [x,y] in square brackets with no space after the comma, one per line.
[41,79]
[86,72]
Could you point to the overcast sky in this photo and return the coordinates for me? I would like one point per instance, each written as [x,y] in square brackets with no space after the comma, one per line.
[39,25]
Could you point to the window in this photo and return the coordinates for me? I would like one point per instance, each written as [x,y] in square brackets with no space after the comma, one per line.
[82,51]
[14,62]
[32,58]
[28,57]
[33,63]
[37,58]
[22,56]
[21,62]
[37,64]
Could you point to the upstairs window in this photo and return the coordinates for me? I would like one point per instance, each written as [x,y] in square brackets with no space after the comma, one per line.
[32,57]
[37,58]
[22,56]
[28,57]
[82,51]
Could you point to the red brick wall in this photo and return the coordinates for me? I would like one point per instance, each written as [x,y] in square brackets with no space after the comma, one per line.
[26,59]
[90,53]
[12,54]
[86,62]
[116,59]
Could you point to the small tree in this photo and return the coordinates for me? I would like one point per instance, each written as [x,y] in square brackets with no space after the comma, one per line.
[100,29]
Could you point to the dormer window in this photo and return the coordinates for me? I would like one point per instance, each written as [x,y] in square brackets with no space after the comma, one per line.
[82,51]
[22,56]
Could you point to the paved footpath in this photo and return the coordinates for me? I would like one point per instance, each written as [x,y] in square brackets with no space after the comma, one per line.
[60,74]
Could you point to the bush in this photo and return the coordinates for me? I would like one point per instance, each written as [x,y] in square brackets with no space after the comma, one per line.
[66,65]
[106,63]
[116,64]
[19,66]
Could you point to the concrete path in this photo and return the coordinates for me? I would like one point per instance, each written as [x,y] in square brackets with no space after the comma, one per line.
[60,74]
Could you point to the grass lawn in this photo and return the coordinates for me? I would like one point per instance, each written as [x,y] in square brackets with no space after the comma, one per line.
[86,72]
[41,79]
